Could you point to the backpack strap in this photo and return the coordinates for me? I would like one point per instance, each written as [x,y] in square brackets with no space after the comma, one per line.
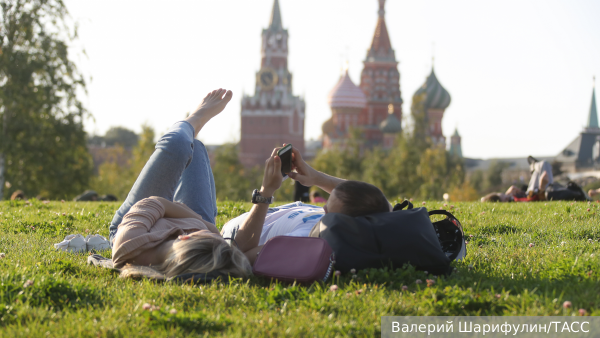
[441,212]
[403,205]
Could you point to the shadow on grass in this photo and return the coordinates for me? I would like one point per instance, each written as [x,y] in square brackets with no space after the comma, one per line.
[48,292]
[187,322]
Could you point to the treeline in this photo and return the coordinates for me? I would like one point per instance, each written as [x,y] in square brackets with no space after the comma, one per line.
[44,149]
[42,141]
[412,168]
[116,176]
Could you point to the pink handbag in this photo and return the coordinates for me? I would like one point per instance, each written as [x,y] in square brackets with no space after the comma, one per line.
[300,259]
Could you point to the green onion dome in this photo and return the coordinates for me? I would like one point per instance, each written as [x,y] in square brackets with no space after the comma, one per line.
[437,97]
[391,125]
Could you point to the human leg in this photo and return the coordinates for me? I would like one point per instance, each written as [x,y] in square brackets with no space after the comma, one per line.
[513,191]
[161,174]
[174,152]
[196,188]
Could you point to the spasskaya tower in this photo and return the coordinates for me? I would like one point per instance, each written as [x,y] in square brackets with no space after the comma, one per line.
[273,115]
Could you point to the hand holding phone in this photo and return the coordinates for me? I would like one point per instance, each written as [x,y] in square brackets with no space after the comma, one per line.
[285,154]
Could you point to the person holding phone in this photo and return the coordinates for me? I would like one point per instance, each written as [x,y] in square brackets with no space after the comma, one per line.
[166,225]
[252,229]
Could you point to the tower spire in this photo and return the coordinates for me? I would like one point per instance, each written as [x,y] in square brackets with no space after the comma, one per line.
[381,47]
[275,23]
[593,116]
[381,8]
[432,55]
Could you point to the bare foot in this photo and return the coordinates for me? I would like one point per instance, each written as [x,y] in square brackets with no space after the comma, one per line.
[211,106]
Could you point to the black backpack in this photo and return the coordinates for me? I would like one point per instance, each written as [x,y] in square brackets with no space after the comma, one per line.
[393,238]
[572,192]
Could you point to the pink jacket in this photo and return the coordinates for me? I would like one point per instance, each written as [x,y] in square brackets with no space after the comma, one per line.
[144,227]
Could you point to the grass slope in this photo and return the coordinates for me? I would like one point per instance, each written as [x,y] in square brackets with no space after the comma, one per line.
[502,275]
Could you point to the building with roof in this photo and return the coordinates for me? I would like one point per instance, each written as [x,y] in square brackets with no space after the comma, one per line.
[583,154]
[455,144]
[376,103]
[390,127]
[272,115]
[436,100]
[380,81]
[346,101]
[379,95]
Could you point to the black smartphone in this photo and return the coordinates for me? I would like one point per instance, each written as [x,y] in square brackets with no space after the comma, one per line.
[285,154]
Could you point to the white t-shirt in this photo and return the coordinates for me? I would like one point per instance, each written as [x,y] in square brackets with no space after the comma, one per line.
[538,169]
[294,221]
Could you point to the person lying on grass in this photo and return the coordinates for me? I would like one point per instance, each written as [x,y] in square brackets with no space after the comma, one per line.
[166,225]
[253,229]
[541,178]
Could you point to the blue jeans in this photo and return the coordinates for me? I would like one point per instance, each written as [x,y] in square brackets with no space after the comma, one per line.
[178,170]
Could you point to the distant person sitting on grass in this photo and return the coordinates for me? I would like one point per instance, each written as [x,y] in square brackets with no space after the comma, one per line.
[541,178]
[594,192]
[18,195]
[166,226]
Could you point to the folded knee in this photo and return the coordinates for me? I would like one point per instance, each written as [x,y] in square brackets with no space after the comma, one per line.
[177,144]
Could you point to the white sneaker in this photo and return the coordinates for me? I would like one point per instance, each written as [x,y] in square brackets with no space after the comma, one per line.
[97,242]
[72,243]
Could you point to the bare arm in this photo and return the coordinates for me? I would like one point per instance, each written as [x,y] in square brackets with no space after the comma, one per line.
[543,180]
[308,176]
[179,210]
[326,182]
[252,254]
[248,235]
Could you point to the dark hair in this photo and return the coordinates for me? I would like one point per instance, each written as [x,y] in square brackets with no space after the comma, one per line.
[315,194]
[493,197]
[360,198]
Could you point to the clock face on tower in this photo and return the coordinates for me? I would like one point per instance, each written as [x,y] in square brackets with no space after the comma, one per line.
[267,78]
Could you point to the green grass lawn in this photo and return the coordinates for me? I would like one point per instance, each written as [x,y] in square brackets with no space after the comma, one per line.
[501,275]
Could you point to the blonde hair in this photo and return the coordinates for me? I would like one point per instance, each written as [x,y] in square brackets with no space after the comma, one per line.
[202,252]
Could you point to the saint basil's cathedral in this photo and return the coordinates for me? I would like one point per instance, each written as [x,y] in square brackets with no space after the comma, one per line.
[273,115]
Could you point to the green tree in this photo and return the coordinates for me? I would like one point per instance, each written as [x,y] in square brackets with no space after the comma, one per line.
[143,150]
[42,142]
[419,137]
[433,170]
[404,161]
[232,180]
[345,161]
[476,179]
[377,170]
[112,177]
[116,179]
[494,174]
[116,135]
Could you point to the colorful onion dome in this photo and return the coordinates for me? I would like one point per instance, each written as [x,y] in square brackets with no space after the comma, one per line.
[436,96]
[391,125]
[345,94]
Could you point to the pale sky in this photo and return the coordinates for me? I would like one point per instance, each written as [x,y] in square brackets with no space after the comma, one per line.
[519,72]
